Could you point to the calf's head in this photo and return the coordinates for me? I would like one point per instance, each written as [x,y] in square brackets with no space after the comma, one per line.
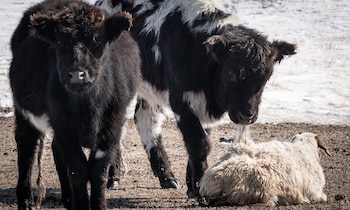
[80,34]
[245,61]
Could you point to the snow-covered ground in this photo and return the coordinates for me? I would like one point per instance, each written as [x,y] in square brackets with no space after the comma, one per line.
[312,86]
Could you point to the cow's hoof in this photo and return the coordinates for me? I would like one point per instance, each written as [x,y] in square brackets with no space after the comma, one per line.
[169,184]
[201,201]
[191,194]
[112,185]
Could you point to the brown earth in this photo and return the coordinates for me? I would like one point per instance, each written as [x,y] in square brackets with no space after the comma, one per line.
[140,189]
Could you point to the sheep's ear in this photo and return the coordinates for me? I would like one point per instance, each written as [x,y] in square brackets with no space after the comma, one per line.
[216,46]
[42,26]
[282,49]
[116,24]
[322,145]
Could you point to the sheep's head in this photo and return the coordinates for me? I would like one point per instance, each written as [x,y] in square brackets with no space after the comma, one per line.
[313,139]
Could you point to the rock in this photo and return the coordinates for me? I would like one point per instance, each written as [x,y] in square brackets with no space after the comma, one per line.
[339,197]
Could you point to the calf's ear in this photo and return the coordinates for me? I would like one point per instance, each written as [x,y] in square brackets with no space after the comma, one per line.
[42,26]
[116,24]
[282,49]
[215,45]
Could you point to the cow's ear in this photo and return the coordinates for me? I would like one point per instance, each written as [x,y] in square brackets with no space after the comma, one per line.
[215,45]
[42,26]
[116,24]
[282,49]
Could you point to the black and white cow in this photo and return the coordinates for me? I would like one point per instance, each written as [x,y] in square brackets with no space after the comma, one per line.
[201,62]
[74,70]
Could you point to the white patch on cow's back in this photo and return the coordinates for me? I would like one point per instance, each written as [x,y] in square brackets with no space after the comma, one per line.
[190,11]
[39,122]
[209,27]
[154,22]
[157,54]
[145,6]
[107,6]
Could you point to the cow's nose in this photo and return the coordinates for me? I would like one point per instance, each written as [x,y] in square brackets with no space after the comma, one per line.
[77,77]
[80,77]
[247,119]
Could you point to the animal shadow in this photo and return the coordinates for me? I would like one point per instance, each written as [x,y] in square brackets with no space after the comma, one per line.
[52,200]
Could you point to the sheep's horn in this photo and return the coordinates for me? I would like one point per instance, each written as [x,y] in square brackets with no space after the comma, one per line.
[322,145]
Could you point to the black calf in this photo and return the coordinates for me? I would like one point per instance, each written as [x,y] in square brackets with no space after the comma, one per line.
[74,70]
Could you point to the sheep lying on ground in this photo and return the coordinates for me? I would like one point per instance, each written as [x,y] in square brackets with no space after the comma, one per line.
[273,172]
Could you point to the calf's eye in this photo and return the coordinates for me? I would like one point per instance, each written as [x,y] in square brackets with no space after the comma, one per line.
[97,40]
[232,76]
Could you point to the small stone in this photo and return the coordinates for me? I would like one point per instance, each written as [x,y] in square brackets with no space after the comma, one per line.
[339,197]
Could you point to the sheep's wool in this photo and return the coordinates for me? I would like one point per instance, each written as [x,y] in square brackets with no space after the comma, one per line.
[273,172]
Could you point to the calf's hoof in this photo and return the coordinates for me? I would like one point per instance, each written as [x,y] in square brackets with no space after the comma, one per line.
[112,185]
[201,201]
[169,184]
[191,194]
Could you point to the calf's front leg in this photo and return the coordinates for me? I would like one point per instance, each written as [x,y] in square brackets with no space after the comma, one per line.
[98,176]
[71,165]
[104,162]
[27,139]
[149,120]
[197,145]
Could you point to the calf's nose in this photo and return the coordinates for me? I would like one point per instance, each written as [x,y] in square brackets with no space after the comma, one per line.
[247,119]
[80,77]
[77,77]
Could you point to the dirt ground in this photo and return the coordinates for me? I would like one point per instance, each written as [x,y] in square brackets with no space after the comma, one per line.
[139,189]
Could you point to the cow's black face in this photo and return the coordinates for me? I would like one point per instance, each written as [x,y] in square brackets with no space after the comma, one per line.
[79,61]
[241,87]
[245,62]
[80,37]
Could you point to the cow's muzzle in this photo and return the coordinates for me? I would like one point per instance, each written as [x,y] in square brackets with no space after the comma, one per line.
[80,77]
[242,119]
[247,119]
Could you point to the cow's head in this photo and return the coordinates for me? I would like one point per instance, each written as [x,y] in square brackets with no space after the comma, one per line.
[246,60]
[80,34]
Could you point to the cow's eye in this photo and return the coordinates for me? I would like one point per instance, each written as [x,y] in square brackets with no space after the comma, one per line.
[232,76]
[97,40]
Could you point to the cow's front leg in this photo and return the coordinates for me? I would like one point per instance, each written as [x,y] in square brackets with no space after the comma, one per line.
[149,122]
[71,165]
[117,167]
[27,139]
[197,145]
[99,163]
[104,163]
